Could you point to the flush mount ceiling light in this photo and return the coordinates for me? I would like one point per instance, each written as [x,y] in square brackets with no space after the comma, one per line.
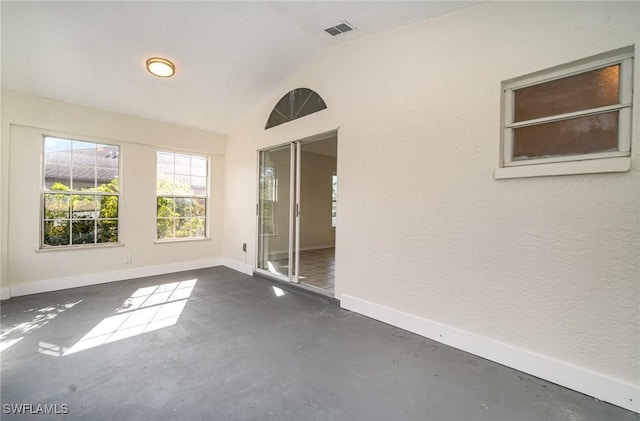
[160,67]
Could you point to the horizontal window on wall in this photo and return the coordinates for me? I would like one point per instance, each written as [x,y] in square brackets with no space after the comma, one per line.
[80,193]
[577,112]
[181,196]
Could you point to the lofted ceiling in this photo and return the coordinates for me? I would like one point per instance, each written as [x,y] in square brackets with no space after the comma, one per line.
[230,56]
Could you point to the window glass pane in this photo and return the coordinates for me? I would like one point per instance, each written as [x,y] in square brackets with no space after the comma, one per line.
[596,88]
[165,162]
[165,228]
[56,233]
[182,228]
[183,164]
[165,183]
[199,207]
[108,156]
[107,179]
[57,151]
[576,136]
[53,144]
[84,206]
[198,227]
[183,207]
[333,214]
[83,178]
[165,207]
[83,231]
[108,206]
[84,154]
[199,185]
[334,187]
[107,231]
[56,206]
[199,166]
[183,185]
[57,177]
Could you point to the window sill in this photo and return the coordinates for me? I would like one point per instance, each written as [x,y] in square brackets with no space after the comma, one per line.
[78,247]
[181,240]
[591,166]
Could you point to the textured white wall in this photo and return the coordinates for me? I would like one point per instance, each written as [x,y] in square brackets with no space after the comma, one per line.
[549,265]
[27,119]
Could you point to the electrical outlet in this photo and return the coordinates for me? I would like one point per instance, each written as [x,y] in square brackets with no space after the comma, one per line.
[244,247]
[127,258]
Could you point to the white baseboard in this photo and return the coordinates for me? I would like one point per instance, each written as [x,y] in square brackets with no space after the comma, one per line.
[239,266]
[104,277]
[583,380]
[5,293]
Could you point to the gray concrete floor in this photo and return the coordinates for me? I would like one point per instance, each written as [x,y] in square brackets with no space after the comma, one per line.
[241,349]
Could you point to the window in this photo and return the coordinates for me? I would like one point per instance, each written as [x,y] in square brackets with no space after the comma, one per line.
[580,111]
[334,196]
[80,198]
[181,192]
[295,104]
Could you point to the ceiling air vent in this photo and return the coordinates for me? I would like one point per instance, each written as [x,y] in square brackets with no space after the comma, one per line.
[340,28]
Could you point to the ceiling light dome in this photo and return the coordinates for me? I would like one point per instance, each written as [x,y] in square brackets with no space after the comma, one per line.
[160,67]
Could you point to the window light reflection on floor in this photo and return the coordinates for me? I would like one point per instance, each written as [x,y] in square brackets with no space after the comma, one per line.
[6,344]
[11,335]
[278,291]
[51,349]
[147,309]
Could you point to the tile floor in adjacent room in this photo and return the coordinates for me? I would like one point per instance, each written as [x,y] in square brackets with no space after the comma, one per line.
[215,344]
[317,268]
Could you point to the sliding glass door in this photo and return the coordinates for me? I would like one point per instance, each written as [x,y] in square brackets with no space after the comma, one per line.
[286,250]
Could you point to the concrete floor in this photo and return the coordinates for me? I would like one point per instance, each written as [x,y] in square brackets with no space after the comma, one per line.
[231,347]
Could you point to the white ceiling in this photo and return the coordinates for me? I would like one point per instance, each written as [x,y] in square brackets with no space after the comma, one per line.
[230,56]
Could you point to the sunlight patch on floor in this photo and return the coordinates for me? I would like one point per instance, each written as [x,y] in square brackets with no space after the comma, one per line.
[146,310]
[6,344]
[41,316]
[279,291]
[51,349]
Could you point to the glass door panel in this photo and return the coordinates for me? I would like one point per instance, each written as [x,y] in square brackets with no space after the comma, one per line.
[275,200]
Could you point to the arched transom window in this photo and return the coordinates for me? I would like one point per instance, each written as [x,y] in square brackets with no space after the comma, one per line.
[297,103]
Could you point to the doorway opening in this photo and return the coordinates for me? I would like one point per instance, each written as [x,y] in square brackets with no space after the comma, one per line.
[297,204]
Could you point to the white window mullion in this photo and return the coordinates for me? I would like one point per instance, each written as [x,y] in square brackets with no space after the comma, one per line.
[567,116]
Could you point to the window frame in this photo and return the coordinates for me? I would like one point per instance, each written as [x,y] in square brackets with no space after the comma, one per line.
[75,192]
[624,57]
[175,196]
